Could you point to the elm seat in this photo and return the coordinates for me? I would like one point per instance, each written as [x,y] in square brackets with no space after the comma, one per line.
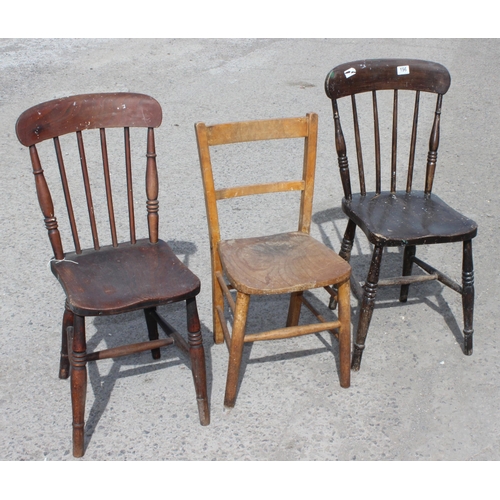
[122,276]
[398,218]
[128,277]
[290,263]
[392,217]
[280,263]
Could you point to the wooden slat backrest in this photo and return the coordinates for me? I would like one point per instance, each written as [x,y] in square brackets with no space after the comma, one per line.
[258,130]
[76,114]
[350,79]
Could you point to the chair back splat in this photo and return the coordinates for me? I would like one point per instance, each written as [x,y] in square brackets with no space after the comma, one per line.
[283,263]
[141,273]
[75,115]
[387,215]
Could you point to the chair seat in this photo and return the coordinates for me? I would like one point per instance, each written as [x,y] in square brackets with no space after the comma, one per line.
[281,263]
[125,278]
[408,218]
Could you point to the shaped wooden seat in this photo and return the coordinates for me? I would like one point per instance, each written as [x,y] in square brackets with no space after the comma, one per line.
[283,263]
[122,276]
[402,218]
[119,279]
[397,217]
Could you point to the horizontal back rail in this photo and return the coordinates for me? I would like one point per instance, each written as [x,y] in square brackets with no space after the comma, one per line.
[272,187]
[229,133]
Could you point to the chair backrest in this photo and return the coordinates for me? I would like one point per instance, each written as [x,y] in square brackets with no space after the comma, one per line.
[259,130]
[77,114]
[377,75]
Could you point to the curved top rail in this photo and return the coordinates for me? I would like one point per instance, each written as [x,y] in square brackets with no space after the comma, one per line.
[87,111]
[382,74]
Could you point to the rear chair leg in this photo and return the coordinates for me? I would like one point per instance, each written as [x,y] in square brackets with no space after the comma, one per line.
[197,355]
[78,384]
[64,360]
[345,251]
[217,302]
[294,309]
[409,253]
[367,306]
[152,330]
[468,295]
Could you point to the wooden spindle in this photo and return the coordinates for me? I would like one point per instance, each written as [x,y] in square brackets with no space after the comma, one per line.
[130,193]
[377,143]
[107,182]
[433,147]
[152,204]
[359,152]
[46,205]
[67,196]
[341,153]
[394,156]
[411,160]
[88,193]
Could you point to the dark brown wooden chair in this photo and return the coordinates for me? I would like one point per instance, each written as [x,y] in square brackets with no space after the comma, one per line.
[119,277]
[286,263]
[403,218]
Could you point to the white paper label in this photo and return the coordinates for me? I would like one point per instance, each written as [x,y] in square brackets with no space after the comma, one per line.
[403,70]
[349,72]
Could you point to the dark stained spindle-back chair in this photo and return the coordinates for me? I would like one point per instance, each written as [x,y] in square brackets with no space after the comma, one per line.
[395,217]
[285,263]
[115,278]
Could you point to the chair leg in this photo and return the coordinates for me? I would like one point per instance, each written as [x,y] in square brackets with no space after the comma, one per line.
[344,296]
[217,301]
[367,306]
[468,295]
[236,351]
[197,355]
[64,360]
[345,251]
[294,309]
[152,330]
[78,384]
[347,242]
[409,253]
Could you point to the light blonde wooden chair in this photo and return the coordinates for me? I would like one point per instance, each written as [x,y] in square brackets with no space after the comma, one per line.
[277,264]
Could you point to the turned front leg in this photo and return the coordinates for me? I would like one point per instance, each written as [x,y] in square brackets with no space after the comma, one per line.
[468,296]
[367,306]
[78,384]
[64,364]
[197,355]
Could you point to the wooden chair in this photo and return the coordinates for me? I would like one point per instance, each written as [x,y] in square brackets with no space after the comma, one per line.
[115,278]
[275,264]
[402,218]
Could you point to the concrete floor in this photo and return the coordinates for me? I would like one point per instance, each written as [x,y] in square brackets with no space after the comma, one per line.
[417,397]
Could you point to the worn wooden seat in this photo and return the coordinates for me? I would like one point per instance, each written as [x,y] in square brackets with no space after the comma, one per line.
[119,279]
[283,263]
[401,218]
[121,276]
[395,217]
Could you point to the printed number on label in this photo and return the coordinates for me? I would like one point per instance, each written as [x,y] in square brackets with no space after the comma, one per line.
[403,70]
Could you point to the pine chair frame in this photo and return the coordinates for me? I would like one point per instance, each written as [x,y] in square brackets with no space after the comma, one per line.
[396,75]
[76,114]
[223,283]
